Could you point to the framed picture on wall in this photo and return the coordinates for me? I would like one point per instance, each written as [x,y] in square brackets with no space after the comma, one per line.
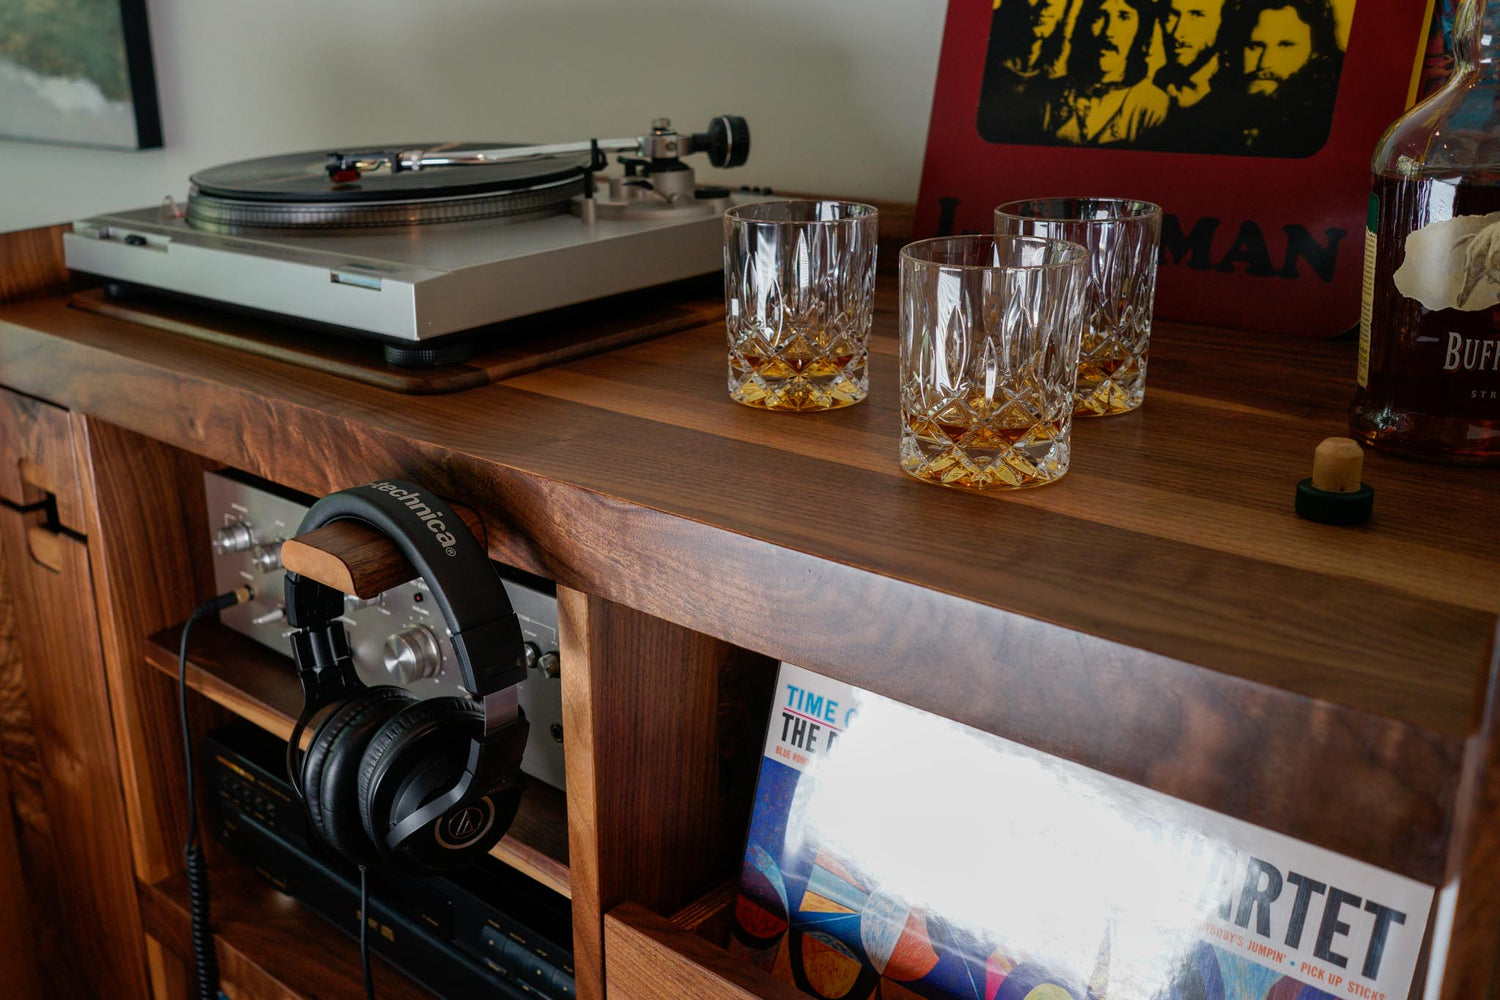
[78,72]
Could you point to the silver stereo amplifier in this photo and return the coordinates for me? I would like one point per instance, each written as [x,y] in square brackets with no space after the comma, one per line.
[397,638]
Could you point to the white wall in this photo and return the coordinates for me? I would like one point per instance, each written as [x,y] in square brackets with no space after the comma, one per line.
[837,92]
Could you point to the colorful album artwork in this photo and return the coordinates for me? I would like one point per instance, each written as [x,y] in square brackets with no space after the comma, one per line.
[1222,77]
[1251,122]
[895,855]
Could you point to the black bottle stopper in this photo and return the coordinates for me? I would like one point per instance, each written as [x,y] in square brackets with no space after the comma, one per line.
[1334,494]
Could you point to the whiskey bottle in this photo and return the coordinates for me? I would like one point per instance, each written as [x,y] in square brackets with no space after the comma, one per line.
[1429,336]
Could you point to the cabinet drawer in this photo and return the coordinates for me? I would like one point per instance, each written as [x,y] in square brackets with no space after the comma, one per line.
[648,957]
[36,456]
[80,875]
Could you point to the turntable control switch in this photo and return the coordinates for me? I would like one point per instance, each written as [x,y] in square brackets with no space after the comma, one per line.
[412,654]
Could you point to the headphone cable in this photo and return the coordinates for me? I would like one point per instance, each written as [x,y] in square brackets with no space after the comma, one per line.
[204,960]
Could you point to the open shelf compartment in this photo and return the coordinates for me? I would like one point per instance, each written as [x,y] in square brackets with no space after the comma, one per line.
[261,686]
[267,943]
[652,957]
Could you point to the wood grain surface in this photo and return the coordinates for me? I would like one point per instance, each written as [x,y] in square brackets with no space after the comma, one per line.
[708,916]
[97,922]
[26,809]
[36,456]
[1472,968]
[648,817]
[31,263]
[504,349]
[170,973]
[268,945]
[651,958]
[147,502]
[356,558]
[1160,614]
[20,970]
[257,684]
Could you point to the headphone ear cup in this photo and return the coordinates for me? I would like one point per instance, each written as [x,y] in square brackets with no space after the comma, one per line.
[329,768]
[427,742]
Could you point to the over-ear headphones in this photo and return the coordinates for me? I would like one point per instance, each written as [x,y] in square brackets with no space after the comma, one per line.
[425,786]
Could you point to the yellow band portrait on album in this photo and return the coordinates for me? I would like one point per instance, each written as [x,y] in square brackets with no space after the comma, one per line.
[1233,77]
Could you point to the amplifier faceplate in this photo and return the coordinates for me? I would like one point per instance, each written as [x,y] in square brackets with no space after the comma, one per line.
[250,521]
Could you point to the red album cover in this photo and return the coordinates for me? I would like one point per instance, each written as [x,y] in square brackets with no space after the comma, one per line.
[1251,122]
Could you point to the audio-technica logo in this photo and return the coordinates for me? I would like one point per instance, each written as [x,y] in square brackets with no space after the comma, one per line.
[414,502]
[467,826]
[466,823]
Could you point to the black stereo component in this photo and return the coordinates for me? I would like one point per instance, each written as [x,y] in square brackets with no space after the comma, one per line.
[486,931]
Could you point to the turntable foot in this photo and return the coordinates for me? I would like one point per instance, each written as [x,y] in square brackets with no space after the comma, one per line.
[443,351]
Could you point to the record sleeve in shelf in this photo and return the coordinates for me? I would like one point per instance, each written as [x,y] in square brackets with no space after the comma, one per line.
[259,685]
[893,853]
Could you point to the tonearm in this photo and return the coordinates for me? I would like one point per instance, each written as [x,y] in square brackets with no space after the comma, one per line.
[727,143]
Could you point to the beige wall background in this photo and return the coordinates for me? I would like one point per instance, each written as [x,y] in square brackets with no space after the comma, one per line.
[837,92]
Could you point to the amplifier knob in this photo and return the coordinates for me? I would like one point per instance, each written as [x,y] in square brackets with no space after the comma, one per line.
[530,654]
[233,537]
[412,654]
[267,558]
[550,663]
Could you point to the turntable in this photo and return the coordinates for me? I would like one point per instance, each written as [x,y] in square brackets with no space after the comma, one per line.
[411,244]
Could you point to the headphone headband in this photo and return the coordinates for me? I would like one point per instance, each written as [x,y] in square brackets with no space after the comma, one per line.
[486,633]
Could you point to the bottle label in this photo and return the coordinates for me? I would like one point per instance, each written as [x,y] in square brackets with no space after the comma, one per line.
[1451,361]
[1433,358]
[1453,264]
[1367,299]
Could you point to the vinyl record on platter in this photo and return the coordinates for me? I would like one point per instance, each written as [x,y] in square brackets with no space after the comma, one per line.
[304,176]
[294,191]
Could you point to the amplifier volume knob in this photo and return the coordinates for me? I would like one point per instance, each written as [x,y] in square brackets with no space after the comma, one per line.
[412,654]
[233,537]
[267,558]
[530,653]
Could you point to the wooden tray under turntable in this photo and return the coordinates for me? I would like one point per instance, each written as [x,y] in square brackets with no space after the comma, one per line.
[504,349]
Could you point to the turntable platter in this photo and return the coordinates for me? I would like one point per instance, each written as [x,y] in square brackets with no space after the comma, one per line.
[293,191]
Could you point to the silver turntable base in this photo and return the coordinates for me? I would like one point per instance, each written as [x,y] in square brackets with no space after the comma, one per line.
[409,284]
[409,245]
